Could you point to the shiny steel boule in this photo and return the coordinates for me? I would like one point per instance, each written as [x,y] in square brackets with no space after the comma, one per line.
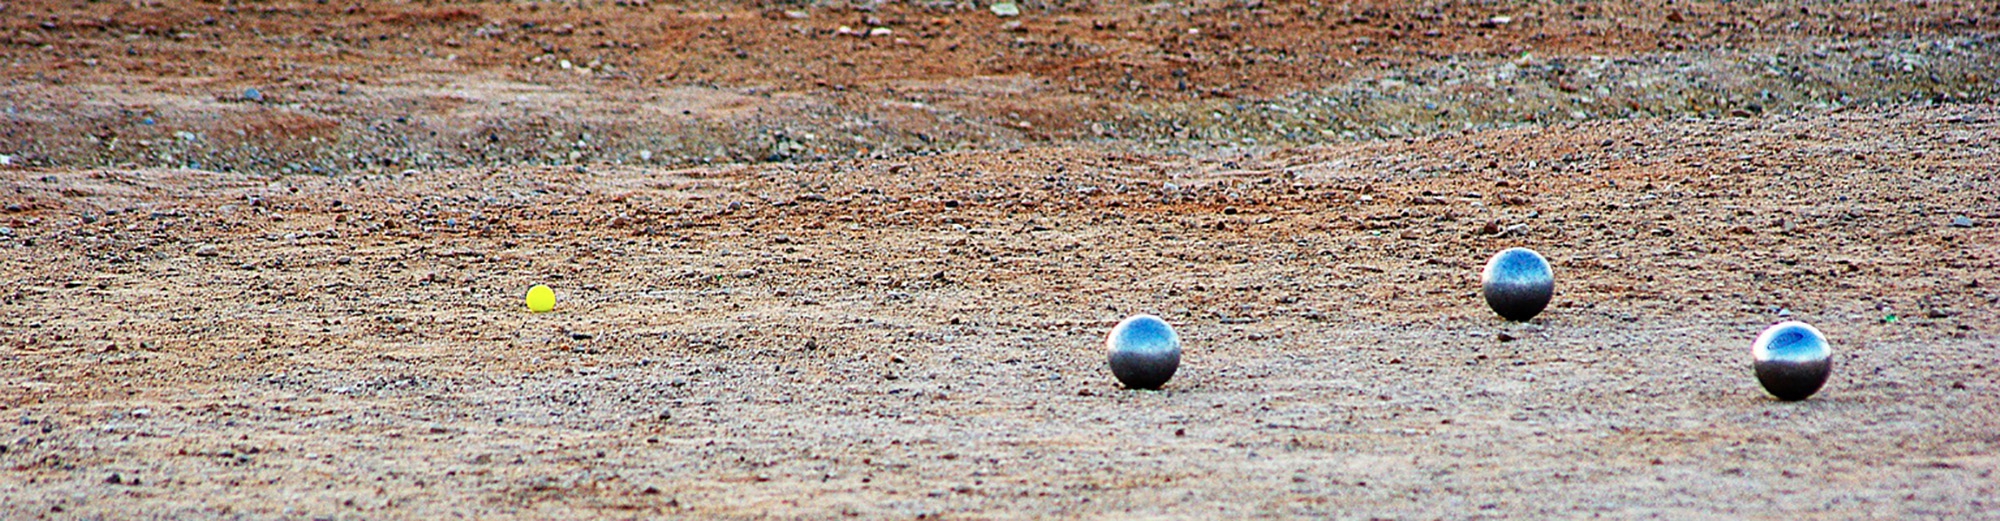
[1792,360]
[1145,352]
[1517,284]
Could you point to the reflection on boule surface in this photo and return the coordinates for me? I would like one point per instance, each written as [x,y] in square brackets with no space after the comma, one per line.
[1145,352]
[1792,360]
[1517,284]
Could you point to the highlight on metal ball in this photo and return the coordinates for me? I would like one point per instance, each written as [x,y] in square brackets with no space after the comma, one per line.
[1792,360]
[1517,284]
[1145,352]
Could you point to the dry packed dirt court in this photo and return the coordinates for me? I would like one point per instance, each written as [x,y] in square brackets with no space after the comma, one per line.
[923,336]
[266,260]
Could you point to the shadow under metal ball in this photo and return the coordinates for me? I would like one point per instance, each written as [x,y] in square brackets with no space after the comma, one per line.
[1517,284]
[1792,360]
[1144,352]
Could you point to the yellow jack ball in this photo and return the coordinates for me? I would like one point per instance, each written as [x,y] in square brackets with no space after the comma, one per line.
[541,298]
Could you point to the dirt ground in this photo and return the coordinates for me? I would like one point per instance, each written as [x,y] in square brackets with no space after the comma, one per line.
[266,260]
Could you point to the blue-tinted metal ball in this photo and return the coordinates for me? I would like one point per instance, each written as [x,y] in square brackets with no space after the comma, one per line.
[1145,352]
[1792,360]
[1517,284]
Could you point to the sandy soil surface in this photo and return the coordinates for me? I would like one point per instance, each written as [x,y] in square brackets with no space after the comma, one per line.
[809,274]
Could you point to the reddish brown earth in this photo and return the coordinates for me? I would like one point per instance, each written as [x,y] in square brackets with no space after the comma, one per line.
[806,274]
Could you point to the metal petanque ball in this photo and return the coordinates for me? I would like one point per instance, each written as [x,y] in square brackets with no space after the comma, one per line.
[1792,360]
[1517,284]
[1144,352]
